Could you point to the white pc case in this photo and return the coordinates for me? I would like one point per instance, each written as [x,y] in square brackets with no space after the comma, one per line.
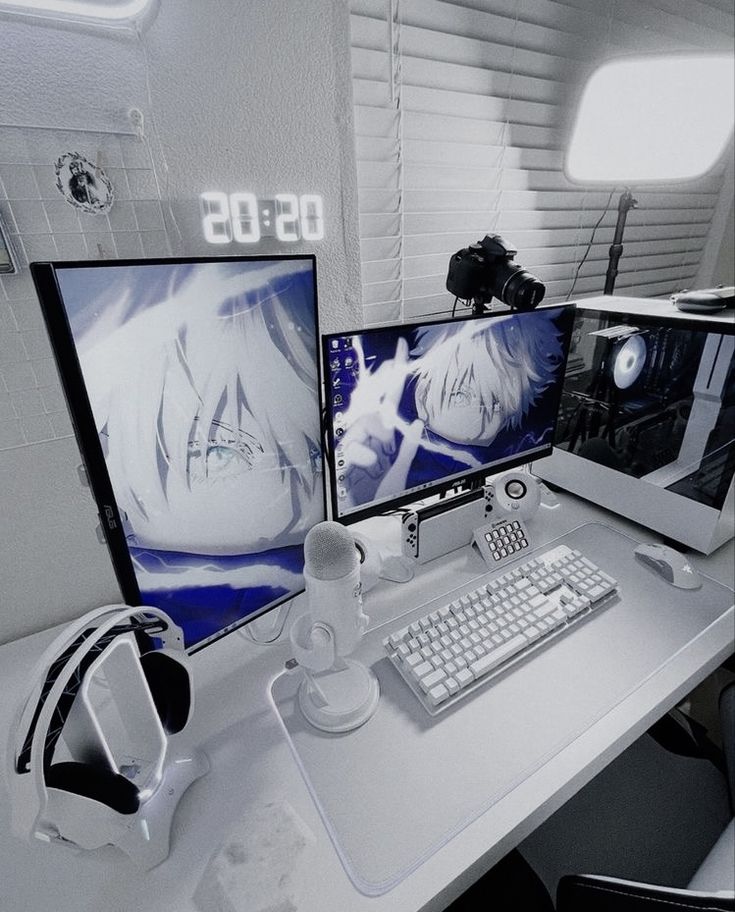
[647,418]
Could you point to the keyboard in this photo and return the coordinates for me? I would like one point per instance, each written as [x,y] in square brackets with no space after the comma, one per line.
[476,636]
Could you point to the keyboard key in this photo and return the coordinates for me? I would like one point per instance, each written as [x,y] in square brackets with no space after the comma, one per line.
[498,656]
[397,638]
[438,694]
[434,677]
[420,671]
[547,608]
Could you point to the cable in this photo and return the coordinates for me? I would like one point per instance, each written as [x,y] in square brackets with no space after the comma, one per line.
[589,245]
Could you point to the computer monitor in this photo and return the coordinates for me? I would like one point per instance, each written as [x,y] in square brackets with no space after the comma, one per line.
[417,409]
[193,385]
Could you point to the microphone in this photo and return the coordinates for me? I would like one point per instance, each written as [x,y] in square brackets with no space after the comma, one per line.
[337,694]
[333,586]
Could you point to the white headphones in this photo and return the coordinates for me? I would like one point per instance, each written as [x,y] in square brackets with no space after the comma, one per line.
[86,800]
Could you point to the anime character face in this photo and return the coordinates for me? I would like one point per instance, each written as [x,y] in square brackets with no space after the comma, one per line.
[206,406]
[461,415]
[474,380]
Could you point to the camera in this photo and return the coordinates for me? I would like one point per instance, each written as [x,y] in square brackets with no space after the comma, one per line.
[484,270]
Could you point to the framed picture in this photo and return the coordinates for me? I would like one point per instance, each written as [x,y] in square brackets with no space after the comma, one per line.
[6,260]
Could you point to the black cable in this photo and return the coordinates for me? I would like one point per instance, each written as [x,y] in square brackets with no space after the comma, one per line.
[589,246]
[326,442]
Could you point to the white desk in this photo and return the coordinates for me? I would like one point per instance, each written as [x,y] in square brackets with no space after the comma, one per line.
[254,778]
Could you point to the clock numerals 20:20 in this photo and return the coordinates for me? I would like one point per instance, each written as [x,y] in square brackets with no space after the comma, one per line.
[237,217]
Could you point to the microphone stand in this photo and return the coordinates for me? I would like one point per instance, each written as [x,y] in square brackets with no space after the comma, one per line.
[625,204]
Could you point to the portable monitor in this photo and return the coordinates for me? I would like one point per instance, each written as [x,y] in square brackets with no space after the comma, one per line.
[194,390]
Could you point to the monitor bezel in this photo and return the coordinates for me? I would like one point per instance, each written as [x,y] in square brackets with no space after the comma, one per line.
[54,312]
[445,485]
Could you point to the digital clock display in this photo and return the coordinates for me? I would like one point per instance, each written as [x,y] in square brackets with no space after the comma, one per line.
[242,218]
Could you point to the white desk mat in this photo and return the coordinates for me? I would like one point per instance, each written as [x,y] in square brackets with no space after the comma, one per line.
[395,790]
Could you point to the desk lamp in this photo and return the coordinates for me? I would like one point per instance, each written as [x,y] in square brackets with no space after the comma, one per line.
[653,119]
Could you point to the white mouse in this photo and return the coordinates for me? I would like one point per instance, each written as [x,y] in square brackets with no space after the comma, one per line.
[669,563]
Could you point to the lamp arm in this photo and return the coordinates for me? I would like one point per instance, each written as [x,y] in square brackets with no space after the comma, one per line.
[625,203]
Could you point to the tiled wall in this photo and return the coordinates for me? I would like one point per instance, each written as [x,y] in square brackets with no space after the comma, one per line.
[41,225]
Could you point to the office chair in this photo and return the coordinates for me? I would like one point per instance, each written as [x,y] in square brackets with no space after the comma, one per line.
[713,886]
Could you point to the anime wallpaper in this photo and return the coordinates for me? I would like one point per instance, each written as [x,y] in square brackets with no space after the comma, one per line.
[415,406]
[203,382]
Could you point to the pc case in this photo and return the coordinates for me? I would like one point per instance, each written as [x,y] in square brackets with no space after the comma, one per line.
[647,418]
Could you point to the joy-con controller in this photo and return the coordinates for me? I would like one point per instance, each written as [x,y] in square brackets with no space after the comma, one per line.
[410,534]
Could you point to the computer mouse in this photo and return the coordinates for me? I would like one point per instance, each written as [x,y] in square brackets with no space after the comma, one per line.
[673,566]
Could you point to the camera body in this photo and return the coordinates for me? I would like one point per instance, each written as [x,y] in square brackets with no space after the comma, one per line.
[485,270]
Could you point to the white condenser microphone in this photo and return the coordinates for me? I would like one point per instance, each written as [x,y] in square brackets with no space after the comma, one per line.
[333,587]
[337,694]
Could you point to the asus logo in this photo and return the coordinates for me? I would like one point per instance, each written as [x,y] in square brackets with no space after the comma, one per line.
[110,518]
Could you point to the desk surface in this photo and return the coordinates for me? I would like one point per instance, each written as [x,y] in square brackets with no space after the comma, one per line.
[255,790]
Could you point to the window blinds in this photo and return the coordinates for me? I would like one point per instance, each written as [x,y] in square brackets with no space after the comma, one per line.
[462,111]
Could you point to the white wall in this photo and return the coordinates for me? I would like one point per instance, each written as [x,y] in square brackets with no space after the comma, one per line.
[724,271]
[236,95]
[717,266]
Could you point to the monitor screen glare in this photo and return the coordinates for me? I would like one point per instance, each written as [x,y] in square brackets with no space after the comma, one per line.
[413,410]
[199,412]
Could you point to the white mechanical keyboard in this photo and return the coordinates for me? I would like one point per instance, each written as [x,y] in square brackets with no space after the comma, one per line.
[450,651]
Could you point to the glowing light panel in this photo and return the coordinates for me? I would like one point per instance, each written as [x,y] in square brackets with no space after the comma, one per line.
[659,118]
[113,12]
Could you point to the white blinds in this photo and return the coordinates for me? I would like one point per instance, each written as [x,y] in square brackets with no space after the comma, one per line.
[462,110]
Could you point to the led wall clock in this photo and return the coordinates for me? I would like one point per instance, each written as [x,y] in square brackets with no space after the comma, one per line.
[242,218]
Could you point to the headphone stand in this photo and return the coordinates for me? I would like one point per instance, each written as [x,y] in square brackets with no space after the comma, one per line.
[108,757]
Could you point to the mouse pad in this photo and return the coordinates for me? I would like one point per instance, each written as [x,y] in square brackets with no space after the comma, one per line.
[397,789]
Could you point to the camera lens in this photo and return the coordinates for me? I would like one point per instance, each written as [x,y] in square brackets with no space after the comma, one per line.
[516,287]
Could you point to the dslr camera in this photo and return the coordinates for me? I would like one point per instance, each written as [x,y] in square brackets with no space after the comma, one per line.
[485,270]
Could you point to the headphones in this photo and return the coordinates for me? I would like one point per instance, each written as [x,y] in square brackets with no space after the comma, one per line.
[86,800]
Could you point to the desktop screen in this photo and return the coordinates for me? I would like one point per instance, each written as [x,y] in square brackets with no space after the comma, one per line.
[416,409]
[194,390]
